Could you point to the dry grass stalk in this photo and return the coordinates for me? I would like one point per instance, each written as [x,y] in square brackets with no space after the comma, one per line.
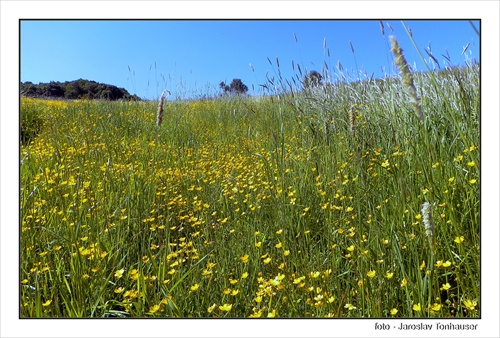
[352,118]
[407,76]
[159,117]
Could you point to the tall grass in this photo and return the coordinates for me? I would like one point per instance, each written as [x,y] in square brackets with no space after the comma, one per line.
[305,203]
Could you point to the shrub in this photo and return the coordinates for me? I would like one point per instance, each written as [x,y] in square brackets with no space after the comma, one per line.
[31,120]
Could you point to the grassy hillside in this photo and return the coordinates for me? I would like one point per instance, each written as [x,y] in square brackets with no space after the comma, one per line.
[304,204]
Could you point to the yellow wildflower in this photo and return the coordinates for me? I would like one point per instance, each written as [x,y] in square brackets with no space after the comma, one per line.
[226,307]
[119,273]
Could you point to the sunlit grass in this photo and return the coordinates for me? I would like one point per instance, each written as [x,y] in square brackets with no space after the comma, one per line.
[242,207]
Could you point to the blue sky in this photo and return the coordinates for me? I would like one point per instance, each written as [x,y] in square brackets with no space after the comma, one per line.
[191,57]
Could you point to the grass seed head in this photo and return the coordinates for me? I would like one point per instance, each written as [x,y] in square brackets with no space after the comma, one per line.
[407,76]
[159,117]
[351,120]
[428,222]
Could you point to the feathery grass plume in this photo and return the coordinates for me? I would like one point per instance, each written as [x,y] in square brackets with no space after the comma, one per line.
[428,223]
[407,76]
[159,117]
[351,121]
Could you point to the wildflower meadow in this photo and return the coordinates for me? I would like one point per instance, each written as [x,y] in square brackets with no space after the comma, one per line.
[347,199]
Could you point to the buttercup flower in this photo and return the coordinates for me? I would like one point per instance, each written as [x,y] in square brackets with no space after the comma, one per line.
[226,307]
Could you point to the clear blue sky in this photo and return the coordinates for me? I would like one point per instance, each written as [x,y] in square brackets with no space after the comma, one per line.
[190,58]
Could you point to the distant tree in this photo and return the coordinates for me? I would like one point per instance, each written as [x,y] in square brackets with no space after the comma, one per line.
[28,89]
[236,87]
[312,79]
[105,94]
[54,89]
[91,89]
[225,88]
[74,90]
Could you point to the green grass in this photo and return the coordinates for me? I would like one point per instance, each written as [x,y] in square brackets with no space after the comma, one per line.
[238,207]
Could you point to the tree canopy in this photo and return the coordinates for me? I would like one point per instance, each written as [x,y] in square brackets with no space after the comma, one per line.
[236,87]
[78,89]
[312,79]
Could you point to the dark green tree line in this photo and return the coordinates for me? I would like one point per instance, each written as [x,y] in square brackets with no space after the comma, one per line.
[78,89]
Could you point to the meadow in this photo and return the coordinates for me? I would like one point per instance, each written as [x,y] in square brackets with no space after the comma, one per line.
[352,199]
